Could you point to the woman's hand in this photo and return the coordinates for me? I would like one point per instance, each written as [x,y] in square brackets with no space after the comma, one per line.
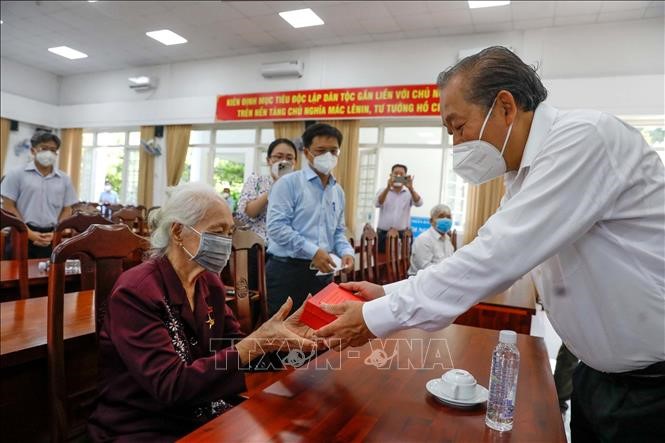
[277,334]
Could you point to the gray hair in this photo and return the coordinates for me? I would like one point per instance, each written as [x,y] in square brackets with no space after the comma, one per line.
[439,208]
[186,204]
[495,69]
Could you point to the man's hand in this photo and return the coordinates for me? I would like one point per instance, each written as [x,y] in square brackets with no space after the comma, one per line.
[40,238]
[349,329]
[323,262]
[347,263]
[391,182]
[364,289]
[409,182]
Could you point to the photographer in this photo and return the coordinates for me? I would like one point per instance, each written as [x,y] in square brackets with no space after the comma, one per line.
[395,202]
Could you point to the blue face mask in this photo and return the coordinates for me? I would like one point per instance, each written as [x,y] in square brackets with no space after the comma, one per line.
[443,225]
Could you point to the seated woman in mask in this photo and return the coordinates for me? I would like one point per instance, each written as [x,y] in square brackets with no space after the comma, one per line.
[167,363]
[253,202]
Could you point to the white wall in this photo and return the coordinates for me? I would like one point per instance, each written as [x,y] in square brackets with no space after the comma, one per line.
[17,158]
[28,82]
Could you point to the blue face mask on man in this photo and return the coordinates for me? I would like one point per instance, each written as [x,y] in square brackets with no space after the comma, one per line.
[443,225]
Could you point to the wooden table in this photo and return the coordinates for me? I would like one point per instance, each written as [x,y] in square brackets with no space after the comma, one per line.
[361,402]
[512,309]
[37,280]
[23,368]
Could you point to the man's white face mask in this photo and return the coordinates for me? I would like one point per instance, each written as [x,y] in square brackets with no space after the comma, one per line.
[478,161]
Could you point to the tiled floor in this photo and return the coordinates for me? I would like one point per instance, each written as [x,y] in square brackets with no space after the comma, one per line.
[541,327]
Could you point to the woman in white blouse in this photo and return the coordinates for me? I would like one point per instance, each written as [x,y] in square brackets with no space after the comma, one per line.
[253,203]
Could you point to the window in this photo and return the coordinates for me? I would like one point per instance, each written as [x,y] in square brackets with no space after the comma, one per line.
[110,156]
[427,152]
[655,136]
[224,158]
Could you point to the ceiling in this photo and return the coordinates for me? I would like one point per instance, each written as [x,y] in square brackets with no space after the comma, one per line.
[112,33]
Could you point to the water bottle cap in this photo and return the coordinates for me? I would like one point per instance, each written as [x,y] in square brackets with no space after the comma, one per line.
[508,337]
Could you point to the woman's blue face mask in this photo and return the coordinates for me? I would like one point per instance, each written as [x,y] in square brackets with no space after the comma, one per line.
[443,225]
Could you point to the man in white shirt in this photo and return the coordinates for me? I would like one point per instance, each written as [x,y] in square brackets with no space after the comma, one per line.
[433,245]
[584,211]
[395,202]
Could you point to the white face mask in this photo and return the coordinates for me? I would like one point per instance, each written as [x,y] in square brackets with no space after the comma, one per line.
[281,168]
[107,188]
[478,161]
[45,158]
[325,163]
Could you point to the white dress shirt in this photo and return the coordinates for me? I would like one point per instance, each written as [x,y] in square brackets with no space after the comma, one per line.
[429,248]
[586,212]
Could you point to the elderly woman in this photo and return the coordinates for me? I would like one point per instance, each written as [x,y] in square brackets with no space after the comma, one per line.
[253,202]
[433,245]
[167,360]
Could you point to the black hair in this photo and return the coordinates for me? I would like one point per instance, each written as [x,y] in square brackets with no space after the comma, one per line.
[279,141]
[320,130]
[43,136]
[495,69]
[397,165]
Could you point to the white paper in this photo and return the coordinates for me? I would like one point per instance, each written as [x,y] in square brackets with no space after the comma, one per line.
[338,265]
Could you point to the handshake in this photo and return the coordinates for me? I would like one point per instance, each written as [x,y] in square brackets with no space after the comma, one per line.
[332,319]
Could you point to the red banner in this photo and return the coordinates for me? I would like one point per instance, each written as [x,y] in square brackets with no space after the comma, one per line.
[344,103]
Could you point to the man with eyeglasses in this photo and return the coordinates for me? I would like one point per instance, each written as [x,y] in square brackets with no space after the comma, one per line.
[39,194]
[306,223]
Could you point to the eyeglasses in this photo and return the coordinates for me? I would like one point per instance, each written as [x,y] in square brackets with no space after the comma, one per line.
[280,158]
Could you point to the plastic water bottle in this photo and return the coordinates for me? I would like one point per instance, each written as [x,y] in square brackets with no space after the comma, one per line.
[503,382]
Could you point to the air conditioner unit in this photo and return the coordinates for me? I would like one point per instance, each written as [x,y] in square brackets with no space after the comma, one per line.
[142,83]
[293,68]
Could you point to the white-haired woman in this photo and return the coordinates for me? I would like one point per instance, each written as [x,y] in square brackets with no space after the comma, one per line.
[172,352]
[433,245]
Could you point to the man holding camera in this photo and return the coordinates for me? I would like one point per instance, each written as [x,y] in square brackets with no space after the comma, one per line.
[395,202]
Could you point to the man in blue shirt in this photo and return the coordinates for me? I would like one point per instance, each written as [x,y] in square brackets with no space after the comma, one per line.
[306,223]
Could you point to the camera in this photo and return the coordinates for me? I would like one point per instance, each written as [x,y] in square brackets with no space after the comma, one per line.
[399,179]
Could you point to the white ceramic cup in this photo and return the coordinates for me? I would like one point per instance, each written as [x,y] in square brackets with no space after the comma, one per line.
[459,384]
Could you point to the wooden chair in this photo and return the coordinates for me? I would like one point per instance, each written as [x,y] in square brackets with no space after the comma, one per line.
[147,214]
[405,262]
[369,269]
[85,208]
[78,222]
[249,305]
[344,277]
[392,256]
[19,243]
[453,238]
[112,249]
[132,217]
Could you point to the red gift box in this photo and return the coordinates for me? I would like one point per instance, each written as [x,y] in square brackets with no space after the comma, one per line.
[315,317]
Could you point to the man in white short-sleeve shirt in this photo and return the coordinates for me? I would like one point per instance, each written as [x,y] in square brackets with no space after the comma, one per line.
[584,212]
[39,194]
[433,245]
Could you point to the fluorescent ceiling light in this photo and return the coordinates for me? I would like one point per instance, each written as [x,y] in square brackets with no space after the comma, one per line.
[301,18]
[167,37]
[487,4]
[141,80]
[67,52]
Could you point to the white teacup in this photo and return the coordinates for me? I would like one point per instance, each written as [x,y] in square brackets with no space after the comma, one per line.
[459,384]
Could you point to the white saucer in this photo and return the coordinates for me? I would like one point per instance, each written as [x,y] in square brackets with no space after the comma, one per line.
[435,387]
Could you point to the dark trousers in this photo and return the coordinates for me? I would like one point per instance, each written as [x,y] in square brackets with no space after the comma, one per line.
[566,363]
[381,238]
[617,407]
[288,277]
[35,251]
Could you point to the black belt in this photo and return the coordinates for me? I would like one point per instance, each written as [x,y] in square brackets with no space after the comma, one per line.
[655,370]
[299,261]
[39,228]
